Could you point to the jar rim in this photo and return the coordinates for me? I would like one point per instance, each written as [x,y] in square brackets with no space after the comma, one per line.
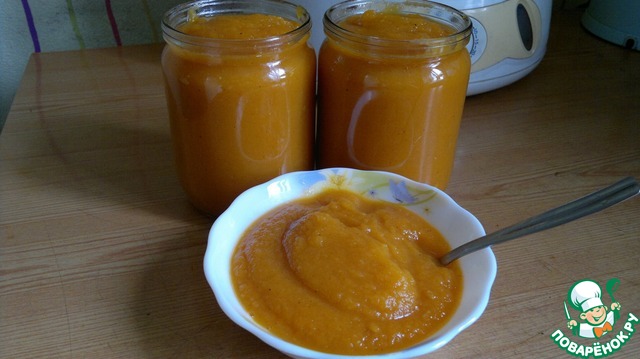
[180,13]
[432,10]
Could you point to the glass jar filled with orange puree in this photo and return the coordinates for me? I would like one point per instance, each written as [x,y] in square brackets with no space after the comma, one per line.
[392,81]
[240,88]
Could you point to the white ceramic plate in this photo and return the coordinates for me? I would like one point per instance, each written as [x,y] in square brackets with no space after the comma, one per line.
[456,224]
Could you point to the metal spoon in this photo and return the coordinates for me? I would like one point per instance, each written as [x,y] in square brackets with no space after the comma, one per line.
[594,202]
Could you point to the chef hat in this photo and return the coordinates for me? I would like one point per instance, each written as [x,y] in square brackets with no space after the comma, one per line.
[586,295]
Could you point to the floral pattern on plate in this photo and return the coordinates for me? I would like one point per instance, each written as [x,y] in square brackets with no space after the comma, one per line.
[374,185]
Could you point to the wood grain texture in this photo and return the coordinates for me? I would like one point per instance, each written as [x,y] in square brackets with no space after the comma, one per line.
[101,255]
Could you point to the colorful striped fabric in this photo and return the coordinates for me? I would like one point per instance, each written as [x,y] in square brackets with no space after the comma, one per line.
[93,23]
[30,26]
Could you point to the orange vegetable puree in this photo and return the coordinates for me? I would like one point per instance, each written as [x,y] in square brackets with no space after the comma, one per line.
[389,24]
[342,273]
[239,115]
[397,110]
[239,26]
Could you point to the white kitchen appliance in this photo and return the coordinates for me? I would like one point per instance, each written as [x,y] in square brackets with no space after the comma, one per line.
[509,37]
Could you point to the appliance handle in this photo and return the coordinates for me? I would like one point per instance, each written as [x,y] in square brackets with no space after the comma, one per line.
[495,26]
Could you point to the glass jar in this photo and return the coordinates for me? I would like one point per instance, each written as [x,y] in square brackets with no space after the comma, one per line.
[392,101]
[241,108]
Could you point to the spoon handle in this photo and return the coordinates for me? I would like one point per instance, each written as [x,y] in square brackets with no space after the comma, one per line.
[594,202]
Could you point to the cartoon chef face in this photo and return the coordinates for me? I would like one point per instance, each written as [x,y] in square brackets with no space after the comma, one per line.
[595,316]
[586,297]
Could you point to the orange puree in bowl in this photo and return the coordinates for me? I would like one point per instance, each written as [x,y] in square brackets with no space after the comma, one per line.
[241,107]
[341,273]
[387,99]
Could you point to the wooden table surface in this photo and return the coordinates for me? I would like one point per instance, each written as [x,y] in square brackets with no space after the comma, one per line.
[100,253]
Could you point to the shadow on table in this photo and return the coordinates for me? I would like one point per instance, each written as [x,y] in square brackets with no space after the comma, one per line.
[105,156]
[176,313]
